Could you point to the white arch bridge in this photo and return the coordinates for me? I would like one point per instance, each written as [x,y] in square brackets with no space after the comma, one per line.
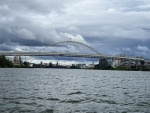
[97,55]
[67,55]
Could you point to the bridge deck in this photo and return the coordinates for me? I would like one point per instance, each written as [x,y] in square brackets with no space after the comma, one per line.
[66,55]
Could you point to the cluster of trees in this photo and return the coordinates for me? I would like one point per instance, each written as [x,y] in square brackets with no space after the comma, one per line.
[5,62]
[8,64]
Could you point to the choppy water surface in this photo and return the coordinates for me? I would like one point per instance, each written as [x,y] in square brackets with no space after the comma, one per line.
[73,91]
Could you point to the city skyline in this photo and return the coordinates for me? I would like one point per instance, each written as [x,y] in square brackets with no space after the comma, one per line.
[111,27]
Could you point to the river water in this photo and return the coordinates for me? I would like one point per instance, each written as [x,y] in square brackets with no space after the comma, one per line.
[74,91]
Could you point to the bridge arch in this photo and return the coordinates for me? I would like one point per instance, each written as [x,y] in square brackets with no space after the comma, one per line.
[85,45]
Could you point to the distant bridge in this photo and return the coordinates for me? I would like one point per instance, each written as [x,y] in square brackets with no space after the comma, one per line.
[96,55]
[68,55]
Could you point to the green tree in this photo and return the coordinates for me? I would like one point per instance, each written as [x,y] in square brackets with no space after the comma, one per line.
[5,62]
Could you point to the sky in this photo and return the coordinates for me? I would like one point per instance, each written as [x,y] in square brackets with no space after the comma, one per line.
[112,27]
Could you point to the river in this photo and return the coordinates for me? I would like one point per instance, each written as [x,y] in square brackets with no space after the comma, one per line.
[73,91]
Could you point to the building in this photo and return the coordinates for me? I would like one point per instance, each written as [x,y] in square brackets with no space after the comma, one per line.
[116,61]
[17,60]
[91,66]
[122,60]
[103,62]
[81,66]
[138,62]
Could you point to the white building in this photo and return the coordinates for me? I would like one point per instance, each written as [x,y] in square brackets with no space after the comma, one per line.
[91,66]
[17,60]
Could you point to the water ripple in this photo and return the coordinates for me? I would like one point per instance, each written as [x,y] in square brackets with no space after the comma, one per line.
[53,99]
[73,101]
[48,111]
[73,91]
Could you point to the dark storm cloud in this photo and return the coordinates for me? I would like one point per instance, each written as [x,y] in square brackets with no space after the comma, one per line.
[110,26]
[4,47]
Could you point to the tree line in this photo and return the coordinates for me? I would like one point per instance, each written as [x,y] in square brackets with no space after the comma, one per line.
[5,62]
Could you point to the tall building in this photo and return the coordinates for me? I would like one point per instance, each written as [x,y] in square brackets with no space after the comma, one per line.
[116,61]
[122,60]
[138,62]
[103,62]
[17,60]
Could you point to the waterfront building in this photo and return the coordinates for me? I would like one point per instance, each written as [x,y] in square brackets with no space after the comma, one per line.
[103,62]
[91,66]
[139,63]
[122,60]
[81,66]
[31,64]
[116,61]
[17,60]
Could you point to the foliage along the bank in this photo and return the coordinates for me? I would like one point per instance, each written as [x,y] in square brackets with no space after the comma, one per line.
[5,62]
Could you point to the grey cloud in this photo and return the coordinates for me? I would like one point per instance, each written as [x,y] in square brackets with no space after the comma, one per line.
[4,47]
[105,25]
[143,48]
